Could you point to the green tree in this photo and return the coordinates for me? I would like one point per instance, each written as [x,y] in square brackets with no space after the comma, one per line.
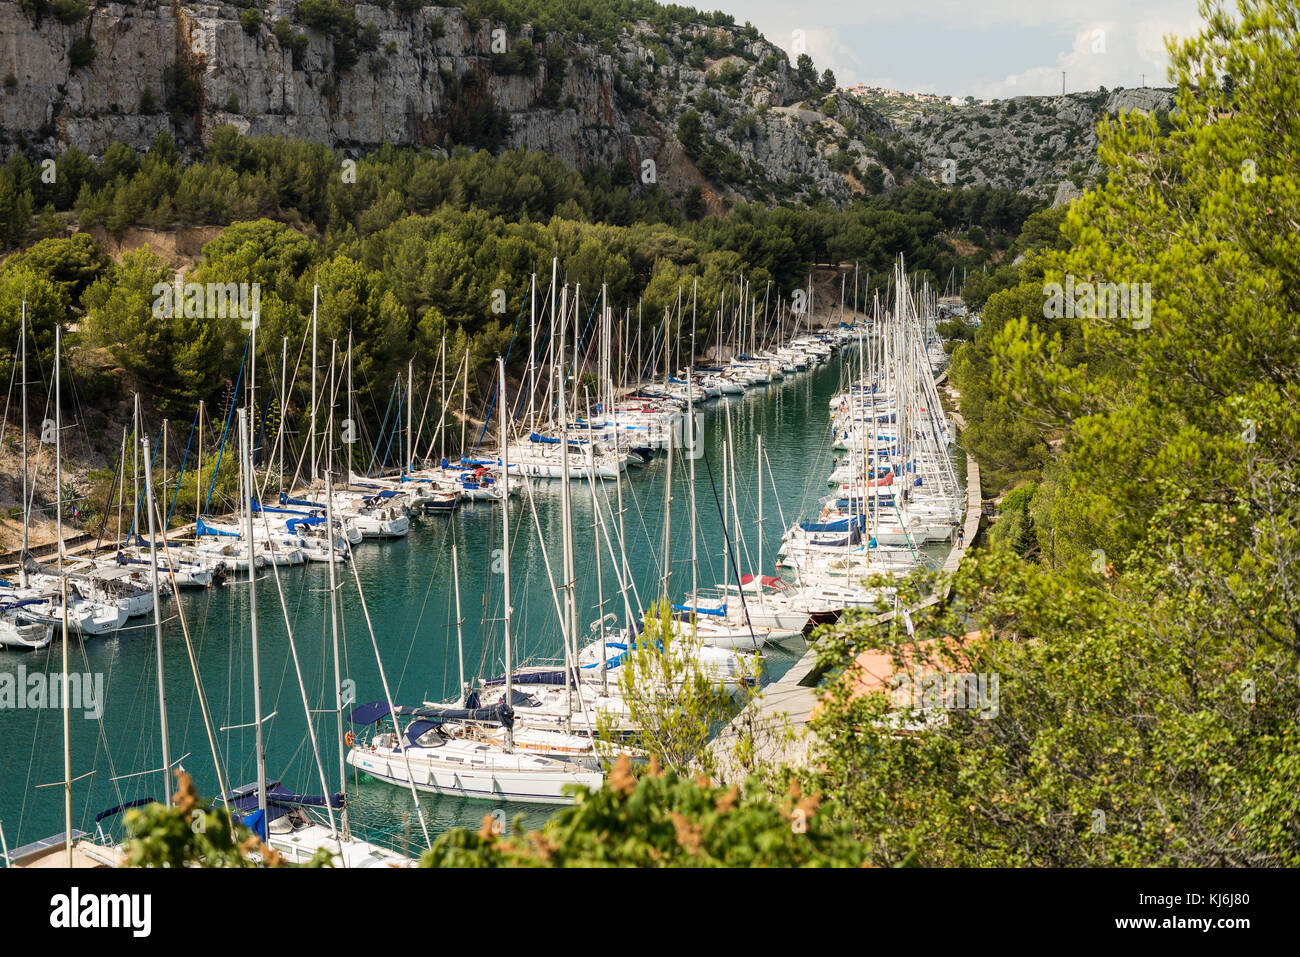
[71,263]
[662,819]
[120,317]
[806,72]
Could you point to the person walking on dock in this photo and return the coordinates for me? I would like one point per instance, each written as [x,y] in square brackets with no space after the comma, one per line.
[961,536]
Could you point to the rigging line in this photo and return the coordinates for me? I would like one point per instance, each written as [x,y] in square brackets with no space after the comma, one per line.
[388,697]
[397,425]
[139,504]
[424,412]
[302,687]
[283,435]
[727,538]
[184,461]
[525,393]
[383,426]
[487,416]
[13,377]
[234,394]
[624,584]
[442,416]
[118,475]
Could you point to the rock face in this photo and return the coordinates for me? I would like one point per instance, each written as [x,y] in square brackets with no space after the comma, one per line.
[434,78]
[1045,146]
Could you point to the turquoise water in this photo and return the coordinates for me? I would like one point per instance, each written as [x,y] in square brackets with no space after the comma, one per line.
[408,589]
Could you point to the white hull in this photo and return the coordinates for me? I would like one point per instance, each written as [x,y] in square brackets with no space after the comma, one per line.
[491,777]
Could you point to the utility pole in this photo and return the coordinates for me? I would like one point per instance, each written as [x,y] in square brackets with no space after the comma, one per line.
[1062,83]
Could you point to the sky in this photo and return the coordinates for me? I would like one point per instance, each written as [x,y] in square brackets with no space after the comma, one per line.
[985,49]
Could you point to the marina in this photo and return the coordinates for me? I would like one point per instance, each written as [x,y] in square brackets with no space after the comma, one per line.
[417,617]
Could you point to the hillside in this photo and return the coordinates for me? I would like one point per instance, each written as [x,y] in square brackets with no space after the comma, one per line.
[1042,145]
[709,104]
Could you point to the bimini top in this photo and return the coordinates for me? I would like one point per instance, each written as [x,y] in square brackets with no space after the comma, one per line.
[280,800]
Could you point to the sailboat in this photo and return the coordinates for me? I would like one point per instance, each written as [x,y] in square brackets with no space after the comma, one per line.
[287,821]
[426,748]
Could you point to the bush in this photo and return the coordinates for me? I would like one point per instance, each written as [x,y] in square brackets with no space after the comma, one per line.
[81,53]
[70,11]
[251,20]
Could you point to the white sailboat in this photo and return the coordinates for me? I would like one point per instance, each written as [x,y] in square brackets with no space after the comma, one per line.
[427,751]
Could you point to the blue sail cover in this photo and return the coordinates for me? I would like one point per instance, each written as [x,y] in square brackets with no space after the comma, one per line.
[286,500]
[22,604]
[202,529]
[856,523]
[293,523]
[701,611]
[378,710]
[119,808]
[501,713]
[538,437]
[555,677]
[851,539]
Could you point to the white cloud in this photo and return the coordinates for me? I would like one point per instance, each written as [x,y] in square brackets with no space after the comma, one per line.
[1104,53]
[865,41]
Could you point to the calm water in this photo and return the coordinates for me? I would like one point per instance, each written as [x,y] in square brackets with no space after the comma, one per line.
[408,589]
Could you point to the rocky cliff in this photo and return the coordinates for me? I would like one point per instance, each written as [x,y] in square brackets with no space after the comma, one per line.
[430,76]
[1042,145]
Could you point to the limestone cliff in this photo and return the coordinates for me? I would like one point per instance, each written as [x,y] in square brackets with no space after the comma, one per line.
[432,77]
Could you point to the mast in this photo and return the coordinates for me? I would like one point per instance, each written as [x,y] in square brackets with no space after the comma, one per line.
[442,455]
[157,630]
[566,531]
[758,461]
[550,342]
[351,422]
[668,511]
[63,594]
[245,441]
[464,400]
[345,830]
[595,528]
[505,545]
[121,485]
[22,572]
[252,407]
[315,300]
[460,640]
[532,353]
[284,401]
[410,411]
[198,474]
[691,452]
[135,465]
